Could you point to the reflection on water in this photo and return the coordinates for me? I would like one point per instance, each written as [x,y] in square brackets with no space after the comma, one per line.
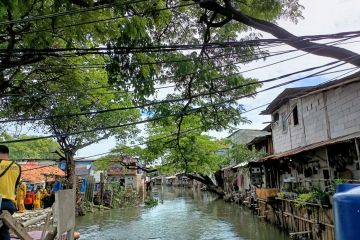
[183,214]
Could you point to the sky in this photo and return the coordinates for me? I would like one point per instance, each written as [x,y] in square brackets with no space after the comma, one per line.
[320,17]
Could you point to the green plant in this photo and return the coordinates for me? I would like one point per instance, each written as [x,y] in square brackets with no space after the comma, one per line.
[150,201]
[281,195]
[320,195]
[122,197]
[334,183]
[304,198]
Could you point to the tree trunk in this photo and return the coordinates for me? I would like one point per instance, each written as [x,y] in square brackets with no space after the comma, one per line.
[311,47]
[211,187]
[70,177]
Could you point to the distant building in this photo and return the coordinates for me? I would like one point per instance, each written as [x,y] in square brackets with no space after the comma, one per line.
[85,168]
[243,136]
[125,171]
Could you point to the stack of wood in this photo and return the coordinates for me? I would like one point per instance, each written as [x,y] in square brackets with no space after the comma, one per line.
[34,219]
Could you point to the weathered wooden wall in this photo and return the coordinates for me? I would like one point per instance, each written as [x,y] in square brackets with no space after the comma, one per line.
[311,220]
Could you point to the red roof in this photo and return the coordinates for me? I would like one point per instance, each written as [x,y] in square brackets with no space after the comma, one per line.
[35,173]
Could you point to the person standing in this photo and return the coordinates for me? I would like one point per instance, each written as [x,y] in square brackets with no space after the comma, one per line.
[9,178]
[20,196]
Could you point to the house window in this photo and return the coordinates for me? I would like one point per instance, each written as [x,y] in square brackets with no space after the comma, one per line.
[276,117]
[284,121]
[295,115]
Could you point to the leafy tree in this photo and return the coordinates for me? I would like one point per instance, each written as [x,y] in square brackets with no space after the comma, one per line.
[62,98]
[50,48]
[33,29]
[241,153]
[42,149]
[144,155]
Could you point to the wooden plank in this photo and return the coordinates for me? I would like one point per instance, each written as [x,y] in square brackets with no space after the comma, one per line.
[34,220]
[14,225]
[297,217]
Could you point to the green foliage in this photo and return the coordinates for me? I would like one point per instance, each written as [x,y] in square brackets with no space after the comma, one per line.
[241,153]
[122,197]
[281,195]
[143,154]
[320,195]
[150,201]
[51,83]
[103,163]
[68,24]
[75,91]
[192,153]
[316,195]
[334,183]
[43,148]
[304,198]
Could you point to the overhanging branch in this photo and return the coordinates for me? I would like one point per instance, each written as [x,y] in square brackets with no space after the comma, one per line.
[323,50]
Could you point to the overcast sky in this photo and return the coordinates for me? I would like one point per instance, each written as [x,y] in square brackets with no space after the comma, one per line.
[321,17]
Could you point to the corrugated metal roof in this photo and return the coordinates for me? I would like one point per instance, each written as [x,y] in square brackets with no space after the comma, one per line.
[311,147]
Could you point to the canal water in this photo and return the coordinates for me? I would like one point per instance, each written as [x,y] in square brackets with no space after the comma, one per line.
[182,214]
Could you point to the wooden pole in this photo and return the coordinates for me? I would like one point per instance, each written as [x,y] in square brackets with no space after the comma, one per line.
[357,150]
[328,163]
[101,188]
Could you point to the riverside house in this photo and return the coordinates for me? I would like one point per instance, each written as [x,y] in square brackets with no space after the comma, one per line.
[315,132]
[315,135]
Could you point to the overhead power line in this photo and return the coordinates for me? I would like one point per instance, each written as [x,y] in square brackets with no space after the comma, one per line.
[113,87]
[169,100]
[158,48]
[170,115]
[68,92]
[35,168]
[106,19]
[182,134]
[70,12]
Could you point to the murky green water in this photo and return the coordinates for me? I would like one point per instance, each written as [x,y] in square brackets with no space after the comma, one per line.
[183,215]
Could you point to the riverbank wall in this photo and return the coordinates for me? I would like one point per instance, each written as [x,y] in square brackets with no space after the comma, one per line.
[301,220]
